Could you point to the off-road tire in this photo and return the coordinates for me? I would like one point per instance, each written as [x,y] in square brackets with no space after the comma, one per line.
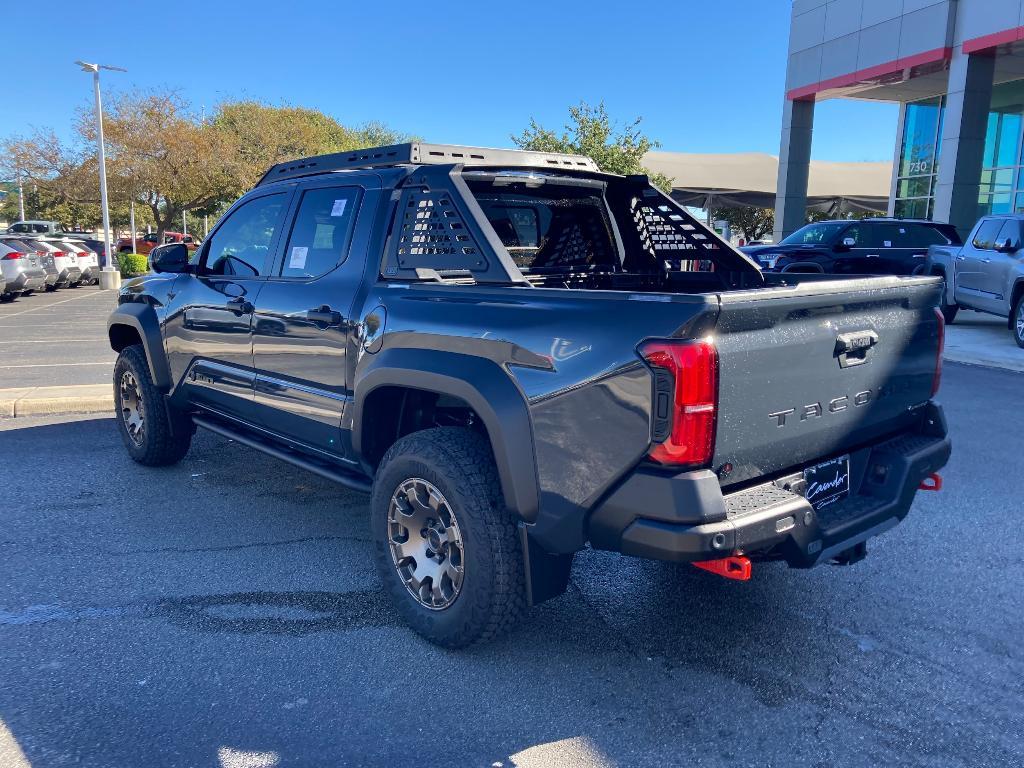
[167,434]
[1017,321]
[492,597]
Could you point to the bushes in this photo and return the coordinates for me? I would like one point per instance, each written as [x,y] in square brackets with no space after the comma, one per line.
[133,264]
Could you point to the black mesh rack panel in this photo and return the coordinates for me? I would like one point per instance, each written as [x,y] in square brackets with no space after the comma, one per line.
[419,153]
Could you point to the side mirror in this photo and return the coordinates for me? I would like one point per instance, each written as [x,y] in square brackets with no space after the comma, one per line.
[1007,245]
[172,257]
[846,244]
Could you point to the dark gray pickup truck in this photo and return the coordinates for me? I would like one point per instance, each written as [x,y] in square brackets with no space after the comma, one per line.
[517,355]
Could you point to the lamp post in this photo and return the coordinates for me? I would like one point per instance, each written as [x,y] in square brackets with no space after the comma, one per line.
[109,278]
[21,197]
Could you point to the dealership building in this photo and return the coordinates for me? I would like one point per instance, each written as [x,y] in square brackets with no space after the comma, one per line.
[956,68]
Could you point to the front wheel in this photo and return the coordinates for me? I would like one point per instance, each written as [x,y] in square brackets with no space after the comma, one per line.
[154,434]
[447,552]
[1018,321]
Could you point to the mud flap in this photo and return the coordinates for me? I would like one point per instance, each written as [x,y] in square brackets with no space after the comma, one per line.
[547,575]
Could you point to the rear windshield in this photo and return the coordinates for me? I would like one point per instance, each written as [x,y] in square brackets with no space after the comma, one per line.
[552,227]
[17,245]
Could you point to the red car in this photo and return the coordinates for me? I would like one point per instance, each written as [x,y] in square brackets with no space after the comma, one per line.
[148,242]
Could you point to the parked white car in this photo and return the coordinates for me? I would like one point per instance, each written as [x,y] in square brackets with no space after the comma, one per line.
[88,260]
[69,273]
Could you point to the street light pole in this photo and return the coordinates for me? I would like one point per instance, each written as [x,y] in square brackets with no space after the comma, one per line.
[109,278]
[132,224]
[21,197]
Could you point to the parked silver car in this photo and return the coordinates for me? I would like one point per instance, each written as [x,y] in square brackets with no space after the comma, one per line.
[22,272]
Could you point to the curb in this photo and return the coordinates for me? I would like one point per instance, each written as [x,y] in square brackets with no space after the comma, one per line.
[42,401]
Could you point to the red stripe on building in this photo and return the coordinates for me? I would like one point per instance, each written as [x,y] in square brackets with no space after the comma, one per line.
[987,42]
[865,76]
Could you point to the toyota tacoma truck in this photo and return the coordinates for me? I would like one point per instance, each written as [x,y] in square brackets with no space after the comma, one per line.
[518,356]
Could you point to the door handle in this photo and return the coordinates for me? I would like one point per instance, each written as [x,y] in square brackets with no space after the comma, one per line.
[239,306]
[961,258]
[986,261]
[323,316]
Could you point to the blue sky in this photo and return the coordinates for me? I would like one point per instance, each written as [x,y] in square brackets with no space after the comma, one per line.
[705,76]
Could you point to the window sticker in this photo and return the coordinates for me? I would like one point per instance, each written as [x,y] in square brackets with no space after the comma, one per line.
[297,260]
[339,208]
[887,243]
[903,231]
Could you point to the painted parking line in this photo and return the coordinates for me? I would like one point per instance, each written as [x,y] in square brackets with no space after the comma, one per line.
[54,304]
[55,341]
[56,365]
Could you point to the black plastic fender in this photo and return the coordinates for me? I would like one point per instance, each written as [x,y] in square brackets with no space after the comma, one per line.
[142,318]
[486,387]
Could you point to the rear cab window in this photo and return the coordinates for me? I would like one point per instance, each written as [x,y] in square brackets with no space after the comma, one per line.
[988,232]
[321,232]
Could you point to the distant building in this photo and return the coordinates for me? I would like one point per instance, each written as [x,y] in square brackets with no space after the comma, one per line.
[956,67]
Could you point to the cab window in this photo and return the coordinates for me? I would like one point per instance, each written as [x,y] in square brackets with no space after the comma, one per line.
[985,238]
[241,244]
[320,235]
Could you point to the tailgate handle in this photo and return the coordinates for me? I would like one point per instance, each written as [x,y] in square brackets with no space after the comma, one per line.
[853,348]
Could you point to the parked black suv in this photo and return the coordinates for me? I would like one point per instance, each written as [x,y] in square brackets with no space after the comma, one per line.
[857,247]
[518,355]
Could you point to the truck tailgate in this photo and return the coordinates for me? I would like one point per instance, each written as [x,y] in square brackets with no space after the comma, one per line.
[792,387]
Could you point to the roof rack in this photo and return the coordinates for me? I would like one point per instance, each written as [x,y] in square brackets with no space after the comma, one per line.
[419,153]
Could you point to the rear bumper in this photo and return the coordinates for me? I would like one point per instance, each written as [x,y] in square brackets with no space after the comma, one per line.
[686,518]
[27,280]
[70,276]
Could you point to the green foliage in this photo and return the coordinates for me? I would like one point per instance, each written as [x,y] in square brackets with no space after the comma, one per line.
[591,132]
[753,222]
[132,264]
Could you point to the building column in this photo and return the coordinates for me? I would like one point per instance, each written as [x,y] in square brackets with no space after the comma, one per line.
[794,167]
[901,124]
[963,139]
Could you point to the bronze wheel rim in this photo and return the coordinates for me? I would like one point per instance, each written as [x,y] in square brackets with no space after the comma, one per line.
[426,544]
[131,408]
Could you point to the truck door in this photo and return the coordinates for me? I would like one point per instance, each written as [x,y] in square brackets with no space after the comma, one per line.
[303,320]
[207,331]
[968,286]
[995,269]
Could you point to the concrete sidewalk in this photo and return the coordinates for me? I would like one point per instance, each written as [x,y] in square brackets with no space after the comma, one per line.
[979,339]
[35,401]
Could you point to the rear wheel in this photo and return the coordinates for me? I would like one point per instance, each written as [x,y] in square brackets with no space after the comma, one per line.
[447,552]
[153,433]
[1018,321]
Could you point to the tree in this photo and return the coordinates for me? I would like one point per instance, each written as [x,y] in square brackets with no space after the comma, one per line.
[591,132]
[264,135]
[753,222]
[159,154]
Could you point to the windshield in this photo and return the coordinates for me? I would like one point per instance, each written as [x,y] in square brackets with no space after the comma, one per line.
[815,234]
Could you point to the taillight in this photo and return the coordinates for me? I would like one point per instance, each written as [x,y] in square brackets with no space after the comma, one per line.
[686,400]
[937,378]
[58,254]
[13,255]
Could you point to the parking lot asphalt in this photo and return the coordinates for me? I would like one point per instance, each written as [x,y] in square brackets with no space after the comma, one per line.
[225,612]
[56,339]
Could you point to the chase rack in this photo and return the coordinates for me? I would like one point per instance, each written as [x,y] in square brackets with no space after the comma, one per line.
[420,153]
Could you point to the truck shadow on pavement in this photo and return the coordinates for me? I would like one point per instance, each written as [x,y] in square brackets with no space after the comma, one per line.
[142,597]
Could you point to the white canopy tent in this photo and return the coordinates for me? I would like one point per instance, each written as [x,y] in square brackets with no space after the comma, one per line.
[749,178]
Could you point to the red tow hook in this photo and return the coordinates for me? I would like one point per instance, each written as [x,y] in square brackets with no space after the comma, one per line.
[736,568]
[932,482]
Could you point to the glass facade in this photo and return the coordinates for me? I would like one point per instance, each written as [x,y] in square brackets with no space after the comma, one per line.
[1002,180]
[919,158]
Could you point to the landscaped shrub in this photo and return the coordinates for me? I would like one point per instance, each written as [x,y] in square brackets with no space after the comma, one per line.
[133,264]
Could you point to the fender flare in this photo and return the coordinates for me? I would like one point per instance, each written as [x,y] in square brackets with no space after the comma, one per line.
[142,318]
[486,387]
